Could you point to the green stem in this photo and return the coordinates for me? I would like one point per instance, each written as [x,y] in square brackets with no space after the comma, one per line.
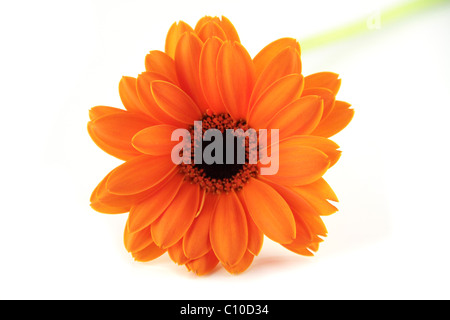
[364,25]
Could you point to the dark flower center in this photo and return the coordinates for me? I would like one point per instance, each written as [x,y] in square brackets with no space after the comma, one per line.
[232,169]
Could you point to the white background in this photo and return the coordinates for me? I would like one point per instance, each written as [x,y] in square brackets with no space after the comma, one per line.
[389,239]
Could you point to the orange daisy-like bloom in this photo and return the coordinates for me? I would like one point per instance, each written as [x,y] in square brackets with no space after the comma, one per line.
[206,214]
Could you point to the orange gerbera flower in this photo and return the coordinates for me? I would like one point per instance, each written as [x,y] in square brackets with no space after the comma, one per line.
[206,214]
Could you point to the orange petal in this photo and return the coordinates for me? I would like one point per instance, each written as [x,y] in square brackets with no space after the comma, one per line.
[255,236]
[196,240]
[103,208]
[204,264]
[208,75]
[211,29]
[176,253]
[328,80]
[187,59]
[228,231]
[305,250]
[137,241]
[310,249]
[303,237]
[327,96]
[160,62]
[118,129]
[113,133]
[308,222]
[145,212]
[118,153]
[337,120]
[276,97]
[98,111]
[173,36]
[285,63]
[318,202]
[229,29]
[301,250]
[201,201]
[225,24]
[313,247]
[151,252]
[298,164]
[177,218]
[323,144]
[202,21]
[129,96]
[235,78]
[263,58]
[175,102]
[322,189]
[292,198]
[302,209]
[106,202]
[299,117]
[313,221]
[242,265]
[150,106]
[155,140]
[139,174]
[269,211]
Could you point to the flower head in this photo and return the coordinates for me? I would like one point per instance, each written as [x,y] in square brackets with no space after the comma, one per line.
[203,214]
